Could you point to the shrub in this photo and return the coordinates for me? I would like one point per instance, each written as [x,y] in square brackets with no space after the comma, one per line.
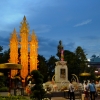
[13,98]
[37,91]
[4,89]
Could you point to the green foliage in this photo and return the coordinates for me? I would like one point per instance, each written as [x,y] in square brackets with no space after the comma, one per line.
[5,57]
[4,89]
[2,81]
[82,63]
[38,92]
[51,66]
[80,53]
[72,64]
[82,60]
[1,48]
[42,67]
[13,98]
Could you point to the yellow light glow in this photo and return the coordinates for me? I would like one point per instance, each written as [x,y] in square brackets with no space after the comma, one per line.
[24,33]
[26,58]
[14,51]
[33,52]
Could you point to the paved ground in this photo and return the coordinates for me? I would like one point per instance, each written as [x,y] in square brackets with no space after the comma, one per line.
[58,98]
[53,98]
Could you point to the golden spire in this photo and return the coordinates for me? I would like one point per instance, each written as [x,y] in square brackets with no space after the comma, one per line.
[33,37]
[23,43]
[14,51]
[24,34]
[24,26]
[33,52]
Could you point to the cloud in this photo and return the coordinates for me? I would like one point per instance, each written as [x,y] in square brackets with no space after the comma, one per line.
[91,45]
[83,23]
[42,28]
[48,46]
[70,46]
[4,42]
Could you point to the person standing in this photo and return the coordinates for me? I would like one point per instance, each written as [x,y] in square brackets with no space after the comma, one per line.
[71,91]
[92,89]
[86,91]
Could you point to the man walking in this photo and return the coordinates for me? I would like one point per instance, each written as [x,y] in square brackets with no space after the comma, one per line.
[92,89]
[71,91]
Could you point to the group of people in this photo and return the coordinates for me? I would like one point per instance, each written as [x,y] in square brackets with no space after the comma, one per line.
[89,91]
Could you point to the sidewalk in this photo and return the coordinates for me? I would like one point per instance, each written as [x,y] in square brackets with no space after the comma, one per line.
[58,98]
[52,98]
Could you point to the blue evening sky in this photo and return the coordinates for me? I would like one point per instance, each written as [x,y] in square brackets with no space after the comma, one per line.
[75,22]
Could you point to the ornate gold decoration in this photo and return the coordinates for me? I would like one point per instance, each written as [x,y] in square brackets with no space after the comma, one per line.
[85,74]
[61,63]
[74,77]
[24,33]
[33,52]
[10,66]
[28,59]
[1,74]
[13,51]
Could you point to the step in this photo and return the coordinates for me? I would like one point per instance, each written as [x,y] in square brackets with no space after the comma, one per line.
[58,98]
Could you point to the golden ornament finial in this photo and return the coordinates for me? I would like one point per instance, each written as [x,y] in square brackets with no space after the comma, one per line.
[24,18]
[14,31]
[24,26]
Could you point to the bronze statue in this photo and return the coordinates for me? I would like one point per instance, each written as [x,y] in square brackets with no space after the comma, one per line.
[60,50]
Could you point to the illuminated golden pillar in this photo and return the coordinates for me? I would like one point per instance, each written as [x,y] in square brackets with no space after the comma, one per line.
[13,51]
[33,52]
[24,33]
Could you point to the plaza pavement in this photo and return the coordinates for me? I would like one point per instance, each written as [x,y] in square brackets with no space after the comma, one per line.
[53,98]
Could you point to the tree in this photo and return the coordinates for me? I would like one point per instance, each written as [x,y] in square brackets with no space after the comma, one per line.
[5,57]
[72,64]
[1,54]
[42,67]
[82,60]
[82,63]
[38,93]
[2,81]
[1,48]
[51,66]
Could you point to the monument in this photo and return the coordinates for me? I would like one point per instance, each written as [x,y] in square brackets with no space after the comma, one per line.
[23,50]
[61,70]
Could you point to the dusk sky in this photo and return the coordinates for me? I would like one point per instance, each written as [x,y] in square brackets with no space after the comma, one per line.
[75,22]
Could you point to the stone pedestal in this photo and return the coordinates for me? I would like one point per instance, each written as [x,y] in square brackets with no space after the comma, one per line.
[61,74]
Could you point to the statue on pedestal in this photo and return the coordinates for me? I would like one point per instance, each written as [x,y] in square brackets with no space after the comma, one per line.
[60,52]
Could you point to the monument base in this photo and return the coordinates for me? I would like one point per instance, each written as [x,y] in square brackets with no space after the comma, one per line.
[61,74]
[62,85]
